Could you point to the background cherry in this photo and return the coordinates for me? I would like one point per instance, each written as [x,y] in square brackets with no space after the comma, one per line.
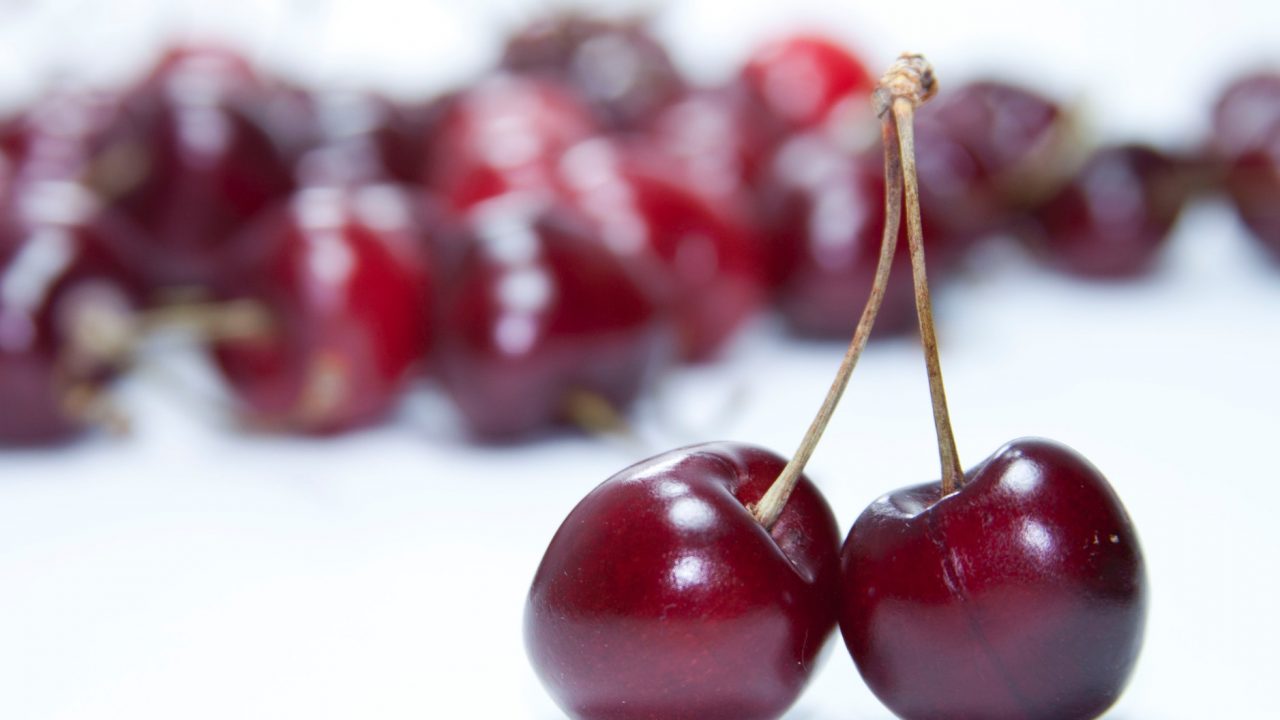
[617,66]
[663,596]
[538,315]
[1246,125]
[343,273]
[1112,219]
[797,81]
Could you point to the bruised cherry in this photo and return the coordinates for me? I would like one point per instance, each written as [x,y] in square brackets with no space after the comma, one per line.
[662,596]
[342,278]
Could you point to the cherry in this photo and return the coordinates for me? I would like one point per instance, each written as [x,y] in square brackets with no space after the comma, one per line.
[1020,595]
[343,275]
[822,211]
[1247,141]
[698,583]
[503,134]
[1112,219]
[662,596]
[65,300]
[54,139]
[710,263]
[1017,137]
[540,317]
[618,67]
[1016,591]
[798,81]
[191,166]
[392,136]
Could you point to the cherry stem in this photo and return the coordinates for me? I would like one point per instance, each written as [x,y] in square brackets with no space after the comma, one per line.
[908,84]
[769,509]
[211,322]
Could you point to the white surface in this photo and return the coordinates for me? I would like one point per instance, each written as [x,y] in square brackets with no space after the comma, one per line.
[191,572]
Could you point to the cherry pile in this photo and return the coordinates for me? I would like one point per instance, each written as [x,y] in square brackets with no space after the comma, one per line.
[542,242]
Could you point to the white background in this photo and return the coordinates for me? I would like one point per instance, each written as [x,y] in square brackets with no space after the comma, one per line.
[193,572]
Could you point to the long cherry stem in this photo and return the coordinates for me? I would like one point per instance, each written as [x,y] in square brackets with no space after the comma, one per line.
[913,70]
[775,499]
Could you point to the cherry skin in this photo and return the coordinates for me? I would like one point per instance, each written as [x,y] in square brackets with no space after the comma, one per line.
[661,596]
[1021,595]
[822,212]
[617,67]
[61,284]
[191,166]
[1247,142]
[1113,218]
[798,81]
[502,135]
[709,263]
[343,273]
[539,314]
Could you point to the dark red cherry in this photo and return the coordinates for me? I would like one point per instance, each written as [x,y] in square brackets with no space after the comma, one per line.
[617,66]
[1247,142]
[1113,218]
[191,166]
[1021,595]
[344,277]
[540,314]
[393,135]
[504,134]
[66,300]
[798,81]
[710,264]
[661,596]
[1017,137]
[822,214]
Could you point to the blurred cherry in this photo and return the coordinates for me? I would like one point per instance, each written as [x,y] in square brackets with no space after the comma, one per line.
[541,317]
[191,164]
[503,134]
[66,303]
[617,66]
[56,137]
[711,265]
[822,212]
[343,276]
[797,81]
[661,596]
[1246,138]
[1112,219]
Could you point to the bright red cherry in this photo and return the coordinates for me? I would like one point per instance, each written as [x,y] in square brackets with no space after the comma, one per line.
[539,315]
[710,264]
[191,166]
[1113,218]
[1021,595]
[1247,141]
[618,67]
[662,596]
[503,134]
[799,80]
[65,304]
[343,275]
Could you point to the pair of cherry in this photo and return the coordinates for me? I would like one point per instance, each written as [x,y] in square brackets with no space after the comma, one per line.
[703,583]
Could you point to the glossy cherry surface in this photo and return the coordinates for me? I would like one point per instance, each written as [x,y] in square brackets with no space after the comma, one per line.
[799,80]
[617,66]
[661,596]
[503,134]
[191,165]
[1112,219]
[344,276]
[709,263]
[1022,595]
[61,284]
[823,218]
[538,314]
[1247,140]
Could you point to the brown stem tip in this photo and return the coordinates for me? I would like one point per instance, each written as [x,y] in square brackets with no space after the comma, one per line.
[911,78]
